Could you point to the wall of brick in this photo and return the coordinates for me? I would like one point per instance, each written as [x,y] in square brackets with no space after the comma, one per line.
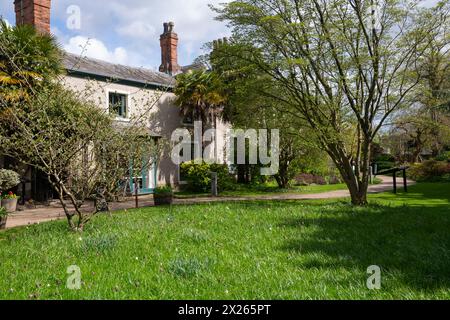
[35,13]
[169,50]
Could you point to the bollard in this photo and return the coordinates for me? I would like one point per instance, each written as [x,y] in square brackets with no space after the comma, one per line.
[405,181]
[395,181]
[214,191]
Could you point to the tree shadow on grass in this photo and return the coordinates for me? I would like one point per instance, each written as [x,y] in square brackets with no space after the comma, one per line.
[411,242]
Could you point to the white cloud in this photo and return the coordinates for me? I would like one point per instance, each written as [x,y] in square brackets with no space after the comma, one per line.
[136,25]
[137,29]
[95,48]
[128,31]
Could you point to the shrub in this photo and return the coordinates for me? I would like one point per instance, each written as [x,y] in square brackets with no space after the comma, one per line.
[320,180]
[8,179]
[334,180]
[385,165]
[164,191]
[3,212]
[304,179]
[198,176]
[309,178]
[225,180]
[430,171]
[445,156]
[385,158]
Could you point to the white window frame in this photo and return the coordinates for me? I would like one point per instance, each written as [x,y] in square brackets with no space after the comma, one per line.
[128,107]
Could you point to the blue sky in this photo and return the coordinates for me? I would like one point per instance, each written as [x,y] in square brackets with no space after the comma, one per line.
[127,32]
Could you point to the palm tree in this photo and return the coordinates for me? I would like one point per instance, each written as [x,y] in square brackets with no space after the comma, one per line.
[201,95]
[27,61]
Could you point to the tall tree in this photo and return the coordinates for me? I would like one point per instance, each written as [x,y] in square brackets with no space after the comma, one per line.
[434,90]
[421,133]
[339,64]
[253,98]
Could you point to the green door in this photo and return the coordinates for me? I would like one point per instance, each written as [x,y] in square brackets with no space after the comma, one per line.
[146,181]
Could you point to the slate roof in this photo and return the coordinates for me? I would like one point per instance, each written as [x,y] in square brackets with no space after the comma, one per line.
[82,66]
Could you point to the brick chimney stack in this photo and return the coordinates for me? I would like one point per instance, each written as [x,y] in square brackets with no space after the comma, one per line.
[169,50]
[35,13]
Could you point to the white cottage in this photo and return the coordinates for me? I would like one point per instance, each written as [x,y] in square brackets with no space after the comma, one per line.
[125,87]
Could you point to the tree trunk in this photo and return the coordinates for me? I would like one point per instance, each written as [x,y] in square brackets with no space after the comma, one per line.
[60,192]
[358,190]
[282,177]
[357,183]
[282,181]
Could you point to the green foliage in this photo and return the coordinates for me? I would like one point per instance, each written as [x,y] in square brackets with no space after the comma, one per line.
[198,176]
[28,60]
[8,179]
[314,161]
[385,157]
[164,191]
[444,156]
[200,94]
[76,144]
[385,165]
[224,180]
[430,171]
[317,78]
[3,212]
[385,161]
[63,132]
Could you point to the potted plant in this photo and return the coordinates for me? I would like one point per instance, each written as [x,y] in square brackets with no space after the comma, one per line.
[163,195]
[8,179]
[9,202]
[3,218]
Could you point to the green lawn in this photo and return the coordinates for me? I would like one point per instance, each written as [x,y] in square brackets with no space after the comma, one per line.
[268,189]
[253,250]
